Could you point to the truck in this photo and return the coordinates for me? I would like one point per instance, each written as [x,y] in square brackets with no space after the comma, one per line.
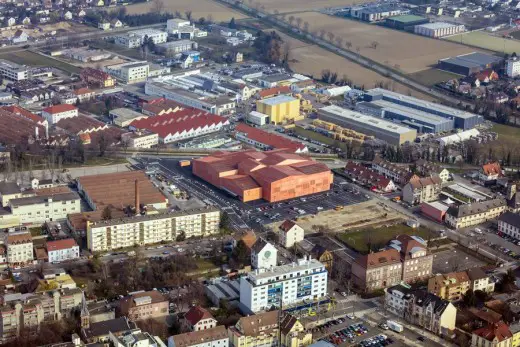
[393,325]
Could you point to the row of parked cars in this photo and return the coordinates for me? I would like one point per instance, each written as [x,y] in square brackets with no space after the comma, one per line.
[376,341]
[347,334]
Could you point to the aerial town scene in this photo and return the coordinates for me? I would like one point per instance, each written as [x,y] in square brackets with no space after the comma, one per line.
[259,173]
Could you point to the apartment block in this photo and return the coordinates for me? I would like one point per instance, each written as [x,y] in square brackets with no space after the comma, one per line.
[451,286]
[420,190]
[492,335]
[290,234]
[132,72]
[45,208]
[509,224]
[287,285]
[12,71]
[136,38]
[144,305]
[513,67]
[398,174]
[62,250]
[475,213]
[421,308]
[19,247]
[215,337]
[143,230]
[97,78]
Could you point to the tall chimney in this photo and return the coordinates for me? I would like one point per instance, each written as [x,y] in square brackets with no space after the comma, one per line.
[137,209]
[36,132]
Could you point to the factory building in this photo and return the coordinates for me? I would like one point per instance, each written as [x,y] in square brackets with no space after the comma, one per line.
[394,134]
[376,13]
[403,104]
[273,176]
[136,38]
[285,285]
[439,29]
[280,109]
[469,64]
[151,229]
[174,47]
[405,21]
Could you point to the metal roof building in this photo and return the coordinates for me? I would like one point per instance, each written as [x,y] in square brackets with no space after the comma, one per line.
[470,63]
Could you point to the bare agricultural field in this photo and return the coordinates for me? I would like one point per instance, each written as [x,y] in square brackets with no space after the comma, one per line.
[408,52]
[304,5]
[484,40]
[310,59]
[199,8]
[431,77]
[60,28]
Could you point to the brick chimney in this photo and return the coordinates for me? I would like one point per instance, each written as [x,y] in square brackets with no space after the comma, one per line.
[137,209]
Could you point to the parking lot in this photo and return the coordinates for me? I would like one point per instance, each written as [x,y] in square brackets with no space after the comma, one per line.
[453,260]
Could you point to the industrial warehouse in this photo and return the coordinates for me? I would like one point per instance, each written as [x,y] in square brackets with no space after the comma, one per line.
[273,176]
[470,63]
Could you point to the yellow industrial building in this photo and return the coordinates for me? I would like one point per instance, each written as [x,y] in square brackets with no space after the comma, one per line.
[280,109]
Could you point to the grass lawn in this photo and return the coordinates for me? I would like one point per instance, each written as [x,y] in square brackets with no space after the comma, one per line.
[431,77]
[507,132]
[318,137]
[35,59]
[98,161]
[379,237]
[482,39]
[203,264]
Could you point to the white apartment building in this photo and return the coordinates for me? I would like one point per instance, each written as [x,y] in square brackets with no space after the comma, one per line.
[264,255]
[215,337]
[54,114]
[136,38]
[509,224]
[148,229]
[290,234]
[438,29]
[12,71]
[62,250]
[172,25]
[132,72]
[141,139]
[45,208]
[128,41]
[285,285]
[19,247]
[513,67]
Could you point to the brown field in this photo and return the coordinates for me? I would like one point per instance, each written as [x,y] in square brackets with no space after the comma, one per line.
[199,8]
[410,52]
[303,5]
[312,60]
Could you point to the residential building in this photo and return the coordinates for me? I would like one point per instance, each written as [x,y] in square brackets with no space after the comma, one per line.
[290,233]
[45,207]
[451,286]
[102,332]
[513,67]
[509,224]
[62,250]
[54,114]
[387,131]
[417,261]
[420,190]
[425,168]
[439,29]
[480,281]
[25,312]
[287,285]
[175,47]
[154,228]
[492,335]
[181,125]
[84,94]
[324,256]
[131,72]
[293,333]
[273,176]
[198,318]
[280,109]
[369,178]
[143,305]
[8,191]
[12,71]
[175,24]
[263,255]
[19,247]
[135,338]
[421,308]
[140,139]
[399,174]
[258,330]
[215,337]
[94,77]
[490,171]
[475,213]
[104,25]
[266,140]
[19,36]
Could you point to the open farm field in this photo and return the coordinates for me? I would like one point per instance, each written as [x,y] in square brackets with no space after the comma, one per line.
[484,40]
[431,77]
[199,8]
[38,60]
[407,52]
[303,5]
[310,59]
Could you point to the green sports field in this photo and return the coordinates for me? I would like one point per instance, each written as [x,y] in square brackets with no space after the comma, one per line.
[484,40]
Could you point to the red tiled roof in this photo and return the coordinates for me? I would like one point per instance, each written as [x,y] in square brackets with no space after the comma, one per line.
[24,113]
[83,91]
[269,139]
[177,122]
[287,225]
[196,314]
[59,108]
[492,169]
[60,244]
[500,331]
[383,258]
[274,91]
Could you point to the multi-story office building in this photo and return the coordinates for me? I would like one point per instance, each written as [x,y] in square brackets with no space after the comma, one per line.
[421,308]
[420,190]
[45,208]
[513,67]
[144,305]
[215,337]
[62,250]
[284,285]
[19,247]
[132,72]
[12,71]
[136,38]
[463,216]
[141,139]
[148,229]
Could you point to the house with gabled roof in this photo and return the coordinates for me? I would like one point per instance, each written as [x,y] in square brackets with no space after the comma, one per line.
[290,233]
[490,171]
[377,270]
[198,318]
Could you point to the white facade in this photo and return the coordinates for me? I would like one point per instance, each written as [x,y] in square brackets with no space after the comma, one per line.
[258,118]
[19,247]
[292,236]
[264,255]
[41,209]
[438,29]
[174,24]
[62,254]
[13,71]
[194,132]
[286,285]
[141,140]
[513,67]
[143,230]
[132,72]
[54,116]
[181,96]
[136,38]
[509,224]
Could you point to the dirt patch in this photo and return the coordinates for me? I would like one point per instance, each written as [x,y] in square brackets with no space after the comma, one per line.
[60,28]
[354,216]
[407,52]
[305,5]
[199,8]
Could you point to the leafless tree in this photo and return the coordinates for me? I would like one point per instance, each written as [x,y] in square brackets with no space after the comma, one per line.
[276,12]
[157,6]
[178,14]
[299,22]
[348,44]
[374,44]
[209,18]
[322,33]
[291,20]
[358,50]
[306,27]
[188,15]
[330,36]
[339,41]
